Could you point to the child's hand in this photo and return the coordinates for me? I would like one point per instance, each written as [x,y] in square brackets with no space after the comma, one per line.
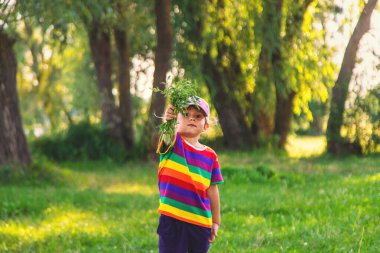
[214,232]
[169,113]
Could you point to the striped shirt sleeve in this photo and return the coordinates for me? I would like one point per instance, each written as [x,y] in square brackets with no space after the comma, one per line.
[216,175]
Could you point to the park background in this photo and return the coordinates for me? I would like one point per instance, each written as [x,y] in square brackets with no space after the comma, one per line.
[294,89]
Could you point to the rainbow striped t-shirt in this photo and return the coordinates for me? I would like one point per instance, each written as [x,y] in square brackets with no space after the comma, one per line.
[184,175]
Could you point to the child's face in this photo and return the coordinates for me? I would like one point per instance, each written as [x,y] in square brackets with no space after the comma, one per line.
[192,124]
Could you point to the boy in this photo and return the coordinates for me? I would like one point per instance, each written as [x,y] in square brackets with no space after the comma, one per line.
[187,178]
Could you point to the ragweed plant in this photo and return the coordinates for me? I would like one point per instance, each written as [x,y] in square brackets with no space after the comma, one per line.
[179,95]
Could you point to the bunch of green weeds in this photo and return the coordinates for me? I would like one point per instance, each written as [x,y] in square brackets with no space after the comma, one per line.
[179,95]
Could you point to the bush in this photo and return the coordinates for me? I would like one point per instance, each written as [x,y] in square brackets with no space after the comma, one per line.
[362,120]
[82,141]
[262,173]
[41,170]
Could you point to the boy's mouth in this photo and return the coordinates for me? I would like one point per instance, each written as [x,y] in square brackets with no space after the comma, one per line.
[191,125]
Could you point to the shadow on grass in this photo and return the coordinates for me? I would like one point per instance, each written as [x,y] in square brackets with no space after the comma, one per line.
[81,242]
[18,202]
[80,231]
[339,165]
[65,220]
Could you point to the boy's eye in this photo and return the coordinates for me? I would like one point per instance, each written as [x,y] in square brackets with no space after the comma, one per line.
[186,114]
[199,116]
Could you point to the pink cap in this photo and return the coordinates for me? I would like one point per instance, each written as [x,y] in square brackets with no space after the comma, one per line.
[201,103]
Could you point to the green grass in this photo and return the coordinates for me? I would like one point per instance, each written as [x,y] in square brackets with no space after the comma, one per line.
[309,204]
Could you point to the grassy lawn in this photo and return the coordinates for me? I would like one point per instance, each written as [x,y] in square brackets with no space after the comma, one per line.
[270,203]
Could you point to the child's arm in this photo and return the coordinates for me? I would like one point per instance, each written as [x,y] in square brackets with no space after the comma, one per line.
[213,195]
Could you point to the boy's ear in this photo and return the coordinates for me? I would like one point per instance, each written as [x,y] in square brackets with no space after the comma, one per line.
[207,125]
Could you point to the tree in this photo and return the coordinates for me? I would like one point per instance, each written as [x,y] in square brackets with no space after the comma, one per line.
[100,44]
[276,49]
[101,18]
[212,36]
[335,142]
[257,58]
[13,148]
[124,81]
[285,95]
[264,93]
[163,54]
[46,69]
[129,41]
[120,32]
[61,87]
[225,78]
[109,27]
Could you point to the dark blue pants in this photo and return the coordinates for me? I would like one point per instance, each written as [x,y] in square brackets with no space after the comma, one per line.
[177,236]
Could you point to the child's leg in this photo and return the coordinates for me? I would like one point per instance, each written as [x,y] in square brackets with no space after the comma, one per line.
[172,235]
[198,238]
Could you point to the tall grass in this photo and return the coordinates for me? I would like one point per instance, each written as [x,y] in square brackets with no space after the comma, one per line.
[269,203]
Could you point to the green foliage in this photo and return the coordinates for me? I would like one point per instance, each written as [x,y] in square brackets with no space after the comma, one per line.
[138,20]
[41,170]
[57,88]
[56,78]
[131,16]
[266,171]
[54,16]
[11,173]
[302,125]
[259,174]
[179,95]
[57,83]
[362,120]
[235,32]
[8,17]
[309,69]
[224,31]
[80,141]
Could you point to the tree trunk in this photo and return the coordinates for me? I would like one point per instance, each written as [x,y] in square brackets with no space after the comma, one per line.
[284,97]
[283,116]
[340,90]
[13,145]
[125,98]
[264,94]
[162,63]
[100,44]
[224,81]
[262,124]
[236,133]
